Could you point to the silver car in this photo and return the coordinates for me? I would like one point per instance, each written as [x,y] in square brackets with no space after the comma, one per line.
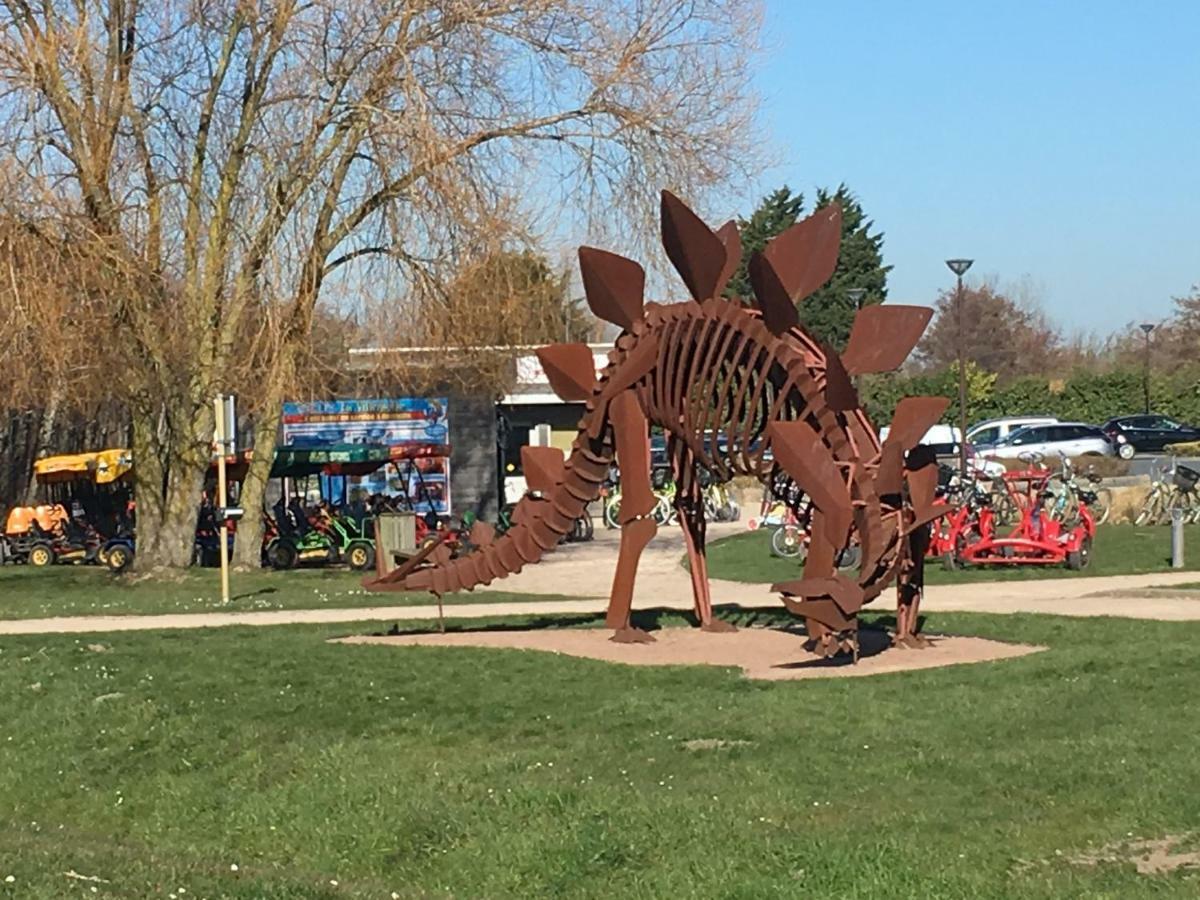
[985,434]
[1053,440]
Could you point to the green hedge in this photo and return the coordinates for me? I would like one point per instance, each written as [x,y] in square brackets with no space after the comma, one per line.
[1083,396]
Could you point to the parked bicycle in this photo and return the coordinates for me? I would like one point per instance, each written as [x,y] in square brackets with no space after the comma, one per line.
[1174,487]
[1071,491]
[719,505]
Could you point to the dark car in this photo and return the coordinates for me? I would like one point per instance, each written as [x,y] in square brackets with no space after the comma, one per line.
[1148,433]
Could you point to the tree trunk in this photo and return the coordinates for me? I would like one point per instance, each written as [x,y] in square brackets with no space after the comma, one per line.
[16,457]
[247,550]
[168,480]
[44,436]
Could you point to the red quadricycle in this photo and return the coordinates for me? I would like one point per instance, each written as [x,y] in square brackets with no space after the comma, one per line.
[973,536]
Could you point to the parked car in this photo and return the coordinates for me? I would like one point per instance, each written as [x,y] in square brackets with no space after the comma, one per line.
[1147,433]
[1058,439]
[943,440]
[984,434]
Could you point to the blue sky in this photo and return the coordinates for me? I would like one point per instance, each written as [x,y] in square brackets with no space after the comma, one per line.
[1053,142]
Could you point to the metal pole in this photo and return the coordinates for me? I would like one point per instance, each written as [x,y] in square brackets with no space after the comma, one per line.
[1146,373]
[223,538]
[1176,538]
[962,382]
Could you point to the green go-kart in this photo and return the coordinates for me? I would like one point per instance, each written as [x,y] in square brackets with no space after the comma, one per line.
[320,537]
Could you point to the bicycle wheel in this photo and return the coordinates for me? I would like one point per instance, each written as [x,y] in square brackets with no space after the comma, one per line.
[612,511]
[849,558]
[1173,500]
[787,542]
[1151,509]
[662,510]
[1102,508]
[1192,515]
[581,530]
[1003,508]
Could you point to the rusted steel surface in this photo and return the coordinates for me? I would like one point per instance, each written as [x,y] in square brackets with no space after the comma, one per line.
[883,336]
[739,387]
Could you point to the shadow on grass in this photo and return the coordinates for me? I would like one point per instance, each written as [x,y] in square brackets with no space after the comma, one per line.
[872,641]
[248,595]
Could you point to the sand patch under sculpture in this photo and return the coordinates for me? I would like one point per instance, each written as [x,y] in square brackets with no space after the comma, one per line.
[764,653]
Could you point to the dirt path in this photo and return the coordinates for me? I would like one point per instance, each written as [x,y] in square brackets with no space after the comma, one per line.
[585,570]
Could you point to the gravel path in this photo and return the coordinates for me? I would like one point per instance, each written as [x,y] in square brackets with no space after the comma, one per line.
[585,570]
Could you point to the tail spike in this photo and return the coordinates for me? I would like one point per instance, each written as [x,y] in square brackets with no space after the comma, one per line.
[482,533]
[543,468]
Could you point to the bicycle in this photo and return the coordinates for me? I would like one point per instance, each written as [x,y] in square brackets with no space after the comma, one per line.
[789,539]
[664,511]
[1068,496]
[1177,493]
[719,505]
[610,498]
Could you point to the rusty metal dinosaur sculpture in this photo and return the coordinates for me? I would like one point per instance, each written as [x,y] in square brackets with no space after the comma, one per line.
[740,388]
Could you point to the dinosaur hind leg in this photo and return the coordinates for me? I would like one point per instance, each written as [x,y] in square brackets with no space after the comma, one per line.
[632,439]
[689,503]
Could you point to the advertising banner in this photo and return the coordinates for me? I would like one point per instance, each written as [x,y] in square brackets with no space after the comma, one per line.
[415,428]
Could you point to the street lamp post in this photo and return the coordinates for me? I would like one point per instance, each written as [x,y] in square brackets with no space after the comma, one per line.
[959,268]
[1146,327]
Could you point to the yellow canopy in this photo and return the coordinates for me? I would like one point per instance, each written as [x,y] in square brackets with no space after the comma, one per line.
[102,467]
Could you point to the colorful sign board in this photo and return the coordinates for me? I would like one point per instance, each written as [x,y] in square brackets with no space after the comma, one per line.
[409,425]
[400,420]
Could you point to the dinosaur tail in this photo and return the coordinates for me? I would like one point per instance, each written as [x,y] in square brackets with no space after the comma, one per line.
[560,490]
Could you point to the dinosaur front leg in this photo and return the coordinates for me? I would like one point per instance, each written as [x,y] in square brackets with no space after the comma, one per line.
[822,639]
[910,585]
[916,519]
[632,440]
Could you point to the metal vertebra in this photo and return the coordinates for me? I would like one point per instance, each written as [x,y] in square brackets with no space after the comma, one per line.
[740,388]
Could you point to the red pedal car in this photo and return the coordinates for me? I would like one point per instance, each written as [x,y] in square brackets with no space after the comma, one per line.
[970,536]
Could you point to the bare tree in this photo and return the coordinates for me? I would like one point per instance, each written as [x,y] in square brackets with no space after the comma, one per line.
[231,161]
[1009,337]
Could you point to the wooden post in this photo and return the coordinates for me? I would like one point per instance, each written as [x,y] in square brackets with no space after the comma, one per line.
[223,533]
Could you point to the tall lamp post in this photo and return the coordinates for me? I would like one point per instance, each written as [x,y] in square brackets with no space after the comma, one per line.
[1146,327]
[959,268]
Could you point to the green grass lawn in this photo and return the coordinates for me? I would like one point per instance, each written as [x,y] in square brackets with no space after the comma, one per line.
[1118,550]
[255,763]
[26,592]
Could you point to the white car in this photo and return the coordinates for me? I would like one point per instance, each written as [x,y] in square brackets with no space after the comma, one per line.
[984,434]
[1053,441]
[943,440]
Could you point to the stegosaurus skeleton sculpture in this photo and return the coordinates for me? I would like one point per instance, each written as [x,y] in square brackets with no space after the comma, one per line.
[739,388]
